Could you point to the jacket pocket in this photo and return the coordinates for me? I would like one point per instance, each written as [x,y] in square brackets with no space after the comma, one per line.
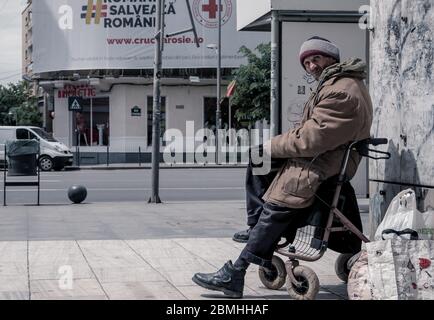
[301,182]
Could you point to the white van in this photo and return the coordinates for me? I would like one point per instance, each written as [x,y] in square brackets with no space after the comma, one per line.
[54,154]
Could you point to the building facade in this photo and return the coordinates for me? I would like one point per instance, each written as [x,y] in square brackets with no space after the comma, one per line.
[94,62]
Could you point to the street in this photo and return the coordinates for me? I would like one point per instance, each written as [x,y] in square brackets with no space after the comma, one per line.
[133,185]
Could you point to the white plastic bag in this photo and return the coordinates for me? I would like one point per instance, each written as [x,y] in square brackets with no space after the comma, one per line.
[402,214]
[401,269]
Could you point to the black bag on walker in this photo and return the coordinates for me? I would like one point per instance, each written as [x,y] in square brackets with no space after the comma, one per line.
[317,215]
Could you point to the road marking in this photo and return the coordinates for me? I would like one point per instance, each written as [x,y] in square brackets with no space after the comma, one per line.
[130,189]
[23,180]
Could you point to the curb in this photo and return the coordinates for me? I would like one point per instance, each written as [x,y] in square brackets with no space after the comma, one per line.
[149,167]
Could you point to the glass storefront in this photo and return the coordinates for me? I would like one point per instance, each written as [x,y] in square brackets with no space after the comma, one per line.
[91,126]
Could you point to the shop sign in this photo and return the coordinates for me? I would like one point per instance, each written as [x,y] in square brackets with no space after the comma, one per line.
[75,104]
[136,111]
[83,91]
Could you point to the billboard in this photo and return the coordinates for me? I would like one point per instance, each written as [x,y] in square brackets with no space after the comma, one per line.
[119,34]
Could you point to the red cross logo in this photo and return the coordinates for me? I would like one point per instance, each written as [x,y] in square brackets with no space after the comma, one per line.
[212,9]
[206,12]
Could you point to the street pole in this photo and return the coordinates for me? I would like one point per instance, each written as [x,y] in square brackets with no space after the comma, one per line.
[219,58]
[159,28]
[274,103]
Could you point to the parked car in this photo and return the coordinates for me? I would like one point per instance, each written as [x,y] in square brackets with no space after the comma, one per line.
[53,154]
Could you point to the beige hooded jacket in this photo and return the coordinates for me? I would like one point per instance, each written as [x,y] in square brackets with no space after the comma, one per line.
[337,112]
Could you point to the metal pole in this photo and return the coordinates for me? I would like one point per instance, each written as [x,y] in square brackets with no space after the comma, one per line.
[159,28]
[4,179]
[274,103]
[219,58]
[39,171]
[78,147]
[91,121]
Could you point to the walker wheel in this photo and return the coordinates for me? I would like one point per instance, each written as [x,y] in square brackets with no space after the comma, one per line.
[309,284]
[274,282]
[341,267]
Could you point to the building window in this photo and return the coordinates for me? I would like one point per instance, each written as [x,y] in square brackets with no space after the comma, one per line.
[91,125]
[150,104]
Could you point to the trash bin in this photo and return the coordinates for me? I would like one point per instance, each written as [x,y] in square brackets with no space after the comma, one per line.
[22,157]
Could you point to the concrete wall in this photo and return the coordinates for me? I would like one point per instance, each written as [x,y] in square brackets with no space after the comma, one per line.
[402,90]
[192,98]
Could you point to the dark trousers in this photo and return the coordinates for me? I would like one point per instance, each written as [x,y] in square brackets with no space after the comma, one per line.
[256,186]
[268,221]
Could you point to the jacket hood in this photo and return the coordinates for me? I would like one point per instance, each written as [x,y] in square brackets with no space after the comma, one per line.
[352,68]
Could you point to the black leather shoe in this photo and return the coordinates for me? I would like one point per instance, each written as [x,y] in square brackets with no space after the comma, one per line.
[228,279]
[242,236]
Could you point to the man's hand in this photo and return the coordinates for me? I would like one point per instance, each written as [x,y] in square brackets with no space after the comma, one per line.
[267,147]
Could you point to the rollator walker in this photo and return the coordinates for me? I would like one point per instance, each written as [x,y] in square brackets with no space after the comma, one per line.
[322,226]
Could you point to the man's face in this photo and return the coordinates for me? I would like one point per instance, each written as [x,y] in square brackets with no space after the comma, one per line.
[315,65]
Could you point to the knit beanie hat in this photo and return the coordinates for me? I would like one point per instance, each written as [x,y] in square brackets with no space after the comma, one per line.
[318,45]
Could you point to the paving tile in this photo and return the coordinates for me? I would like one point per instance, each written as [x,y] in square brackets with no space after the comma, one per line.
[13,251]
[109,254]
[82,289]
[215,251]
[51,259]
[13,268]
[163,248]
[14,295]
[179,271]
[127,274]
[142,291]
[14,287]
[195,292]
[115,261]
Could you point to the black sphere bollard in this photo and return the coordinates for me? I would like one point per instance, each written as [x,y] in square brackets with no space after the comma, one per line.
[77,193]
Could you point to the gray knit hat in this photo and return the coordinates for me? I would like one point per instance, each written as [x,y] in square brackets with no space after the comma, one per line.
[318,45]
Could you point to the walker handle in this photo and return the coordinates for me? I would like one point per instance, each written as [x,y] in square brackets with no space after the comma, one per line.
[376,141]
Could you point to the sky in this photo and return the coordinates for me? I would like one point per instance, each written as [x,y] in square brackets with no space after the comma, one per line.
[10,40]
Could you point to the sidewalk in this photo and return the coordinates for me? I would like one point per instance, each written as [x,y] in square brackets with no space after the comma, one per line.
[129,251]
